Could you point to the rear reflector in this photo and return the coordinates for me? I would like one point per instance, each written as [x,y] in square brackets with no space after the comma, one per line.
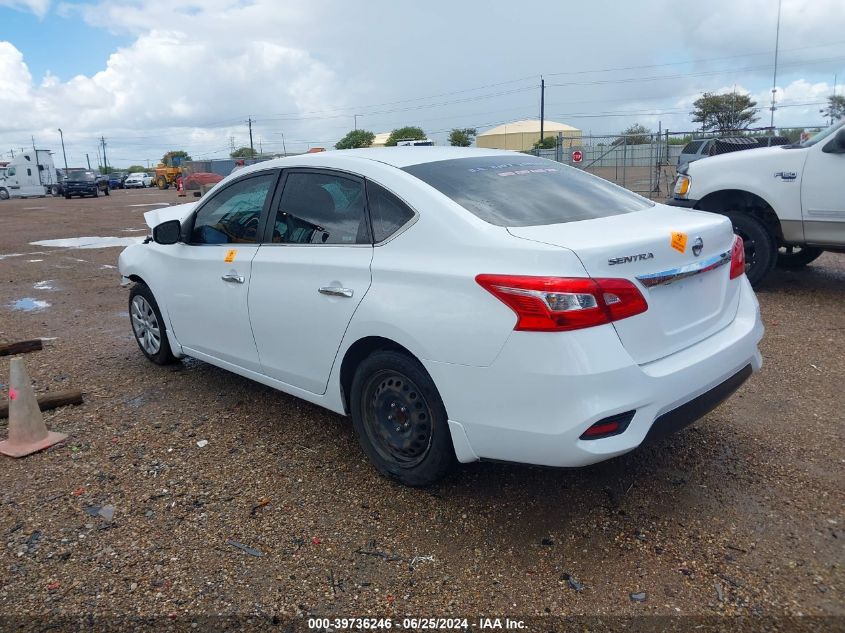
[737,257]
[557,304]
[614,425]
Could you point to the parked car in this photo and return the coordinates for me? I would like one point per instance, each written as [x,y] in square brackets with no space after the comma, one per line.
[459,304]
[116,179]
[696,150]
[84,182]
[137,180]
[786,201]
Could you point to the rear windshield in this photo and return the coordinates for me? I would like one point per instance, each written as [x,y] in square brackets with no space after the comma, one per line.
[526,191]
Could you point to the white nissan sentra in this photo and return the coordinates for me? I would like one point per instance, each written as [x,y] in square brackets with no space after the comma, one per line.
[457,304]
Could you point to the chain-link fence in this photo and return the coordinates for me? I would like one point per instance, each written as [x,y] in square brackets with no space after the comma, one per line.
[647,163]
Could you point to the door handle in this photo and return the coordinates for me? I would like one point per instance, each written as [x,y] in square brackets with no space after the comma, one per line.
[334,291]
[233,279]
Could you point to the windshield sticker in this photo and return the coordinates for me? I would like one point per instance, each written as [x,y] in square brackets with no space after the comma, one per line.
[230,255]
[679,241]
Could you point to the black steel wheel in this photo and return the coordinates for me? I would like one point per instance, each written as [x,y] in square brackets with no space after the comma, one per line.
[400,419]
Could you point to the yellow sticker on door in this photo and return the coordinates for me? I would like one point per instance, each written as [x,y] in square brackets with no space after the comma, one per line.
[679,241]
[232,252]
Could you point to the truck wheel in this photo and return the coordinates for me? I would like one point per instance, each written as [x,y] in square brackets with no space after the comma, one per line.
[67,196]
[54,190]
[162,183]
[797,256]
[4,195]
[106,191]
[761,252]
[97,192]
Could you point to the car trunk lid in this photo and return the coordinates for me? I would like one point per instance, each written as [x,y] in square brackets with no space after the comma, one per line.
[680,261]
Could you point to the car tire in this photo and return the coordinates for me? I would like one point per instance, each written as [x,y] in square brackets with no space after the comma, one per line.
[107,192]
[761,252]
[96,193]
[147,325]
[792,257]
[67,196]
[400,420]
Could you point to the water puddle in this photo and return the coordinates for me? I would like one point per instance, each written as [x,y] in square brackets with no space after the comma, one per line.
[47,284]
[107,267]
[90,242]
[32,261]
[4,256]
[28,304]
[33,208]
[133,230]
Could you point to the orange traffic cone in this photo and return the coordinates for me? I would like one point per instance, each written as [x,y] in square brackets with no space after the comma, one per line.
[27,432]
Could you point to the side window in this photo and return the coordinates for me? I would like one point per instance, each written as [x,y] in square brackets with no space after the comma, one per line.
[28,171]
[320,208]
[233,215]
[388,213]
[11,171]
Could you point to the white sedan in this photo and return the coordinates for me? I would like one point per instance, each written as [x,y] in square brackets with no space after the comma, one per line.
[138,180]
[458,304]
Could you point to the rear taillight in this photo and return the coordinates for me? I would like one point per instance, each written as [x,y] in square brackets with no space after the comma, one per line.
[737,258]
[557,304]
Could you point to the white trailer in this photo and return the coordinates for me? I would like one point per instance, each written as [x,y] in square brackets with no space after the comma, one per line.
[30,174]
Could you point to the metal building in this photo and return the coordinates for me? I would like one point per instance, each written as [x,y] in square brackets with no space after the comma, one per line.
[521,135]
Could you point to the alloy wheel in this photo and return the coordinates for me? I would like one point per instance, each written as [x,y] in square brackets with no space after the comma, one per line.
[145,325]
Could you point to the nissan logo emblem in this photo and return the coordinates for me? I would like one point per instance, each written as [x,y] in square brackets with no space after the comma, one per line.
[697,245]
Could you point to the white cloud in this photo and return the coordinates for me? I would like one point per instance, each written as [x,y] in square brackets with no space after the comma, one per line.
[196,69]
[38,7]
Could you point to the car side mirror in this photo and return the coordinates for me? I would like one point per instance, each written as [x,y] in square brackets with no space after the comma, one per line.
[836,145]
[167,232]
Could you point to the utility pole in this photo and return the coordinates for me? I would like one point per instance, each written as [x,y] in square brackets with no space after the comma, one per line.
[105,160]
[284,147]
[99,160]
[775,77]
[355,116]
[62,136]
[251,148]
[542,110]
[88,159]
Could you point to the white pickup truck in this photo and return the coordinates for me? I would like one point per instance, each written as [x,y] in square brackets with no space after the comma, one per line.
[787,203]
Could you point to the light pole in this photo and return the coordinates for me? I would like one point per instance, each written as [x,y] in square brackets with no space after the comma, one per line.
[62,136]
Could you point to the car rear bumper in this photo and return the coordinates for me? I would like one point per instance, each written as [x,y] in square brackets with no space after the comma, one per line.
[544,390]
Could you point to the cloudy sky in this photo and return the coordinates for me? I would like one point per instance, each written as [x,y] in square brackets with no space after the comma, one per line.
[158,75]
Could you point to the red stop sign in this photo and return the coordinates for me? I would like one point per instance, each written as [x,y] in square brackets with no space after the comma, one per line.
[577,156]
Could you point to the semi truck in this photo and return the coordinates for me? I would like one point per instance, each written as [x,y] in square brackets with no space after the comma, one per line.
[30,174]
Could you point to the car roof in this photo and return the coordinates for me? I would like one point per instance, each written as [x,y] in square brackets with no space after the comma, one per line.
[395,156]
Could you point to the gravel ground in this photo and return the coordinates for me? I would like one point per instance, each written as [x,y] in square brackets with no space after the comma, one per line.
[740,514]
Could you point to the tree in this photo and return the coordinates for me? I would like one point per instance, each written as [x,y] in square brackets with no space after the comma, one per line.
[355,139]
[724,112]
[243,152]
[835,107]
[462,137]
[405,133]
[548,142]
[175,153]
[135,168]
[636,134]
